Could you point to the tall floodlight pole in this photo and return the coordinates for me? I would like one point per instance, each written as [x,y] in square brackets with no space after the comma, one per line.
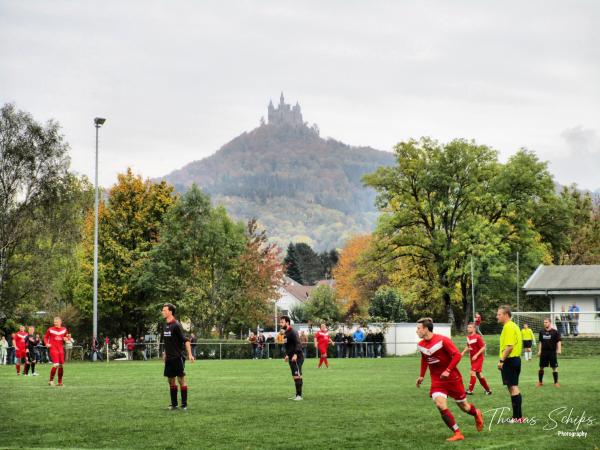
[518,308]
[98,122]
[473,288]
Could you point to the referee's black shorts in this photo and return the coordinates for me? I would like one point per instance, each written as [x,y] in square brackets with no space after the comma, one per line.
[527,344]
[175,367]
[511,369]
[296,366]
[548,359]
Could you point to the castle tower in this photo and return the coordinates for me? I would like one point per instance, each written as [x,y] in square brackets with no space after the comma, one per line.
[284,114]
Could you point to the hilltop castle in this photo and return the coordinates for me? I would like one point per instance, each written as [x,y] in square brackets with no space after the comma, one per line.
[285,114]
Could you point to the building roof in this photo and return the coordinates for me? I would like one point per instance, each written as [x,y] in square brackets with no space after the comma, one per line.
[302,293]
[564,279]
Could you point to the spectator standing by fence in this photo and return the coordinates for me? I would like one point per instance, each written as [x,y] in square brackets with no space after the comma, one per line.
[260,343]
[339,343]
[359,338]
[304,342]
[564,318]
[280,340]
[477,323]
[378,338]
[3,350]
[349,344]
[574,313]
[253,345]
[130,346]
[369,340]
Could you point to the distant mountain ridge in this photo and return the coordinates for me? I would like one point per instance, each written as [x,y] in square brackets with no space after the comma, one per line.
[299,186]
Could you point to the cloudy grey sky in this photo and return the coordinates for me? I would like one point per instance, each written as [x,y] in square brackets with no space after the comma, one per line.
[178,79]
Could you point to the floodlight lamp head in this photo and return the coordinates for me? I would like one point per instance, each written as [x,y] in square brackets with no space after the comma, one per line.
[99,121]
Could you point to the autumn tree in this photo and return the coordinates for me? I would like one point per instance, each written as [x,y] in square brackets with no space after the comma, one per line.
[322,305]
[129,223]
[444,203]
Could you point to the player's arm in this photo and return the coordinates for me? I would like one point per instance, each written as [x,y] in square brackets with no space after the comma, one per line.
[47,338]
[454,354]
[479,353]
[188,347]
[539,352]
[422,372]
[465,350]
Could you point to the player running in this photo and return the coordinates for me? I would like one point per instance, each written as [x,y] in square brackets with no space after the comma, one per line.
[550,345]
[54,339]
[20,349]
[528,341]
[176,342]
[322,341]
[441,356]
[476,346]
[31,341]
[293,354]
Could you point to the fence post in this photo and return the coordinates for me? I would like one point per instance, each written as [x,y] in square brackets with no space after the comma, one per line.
[220,345]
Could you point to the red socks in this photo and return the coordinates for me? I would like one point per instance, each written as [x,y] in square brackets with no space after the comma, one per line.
[320,362]
[52,373]
[325,361]
[60,374]
[18,369]
[472,383]
[472,411]
[483,382]
[448,419]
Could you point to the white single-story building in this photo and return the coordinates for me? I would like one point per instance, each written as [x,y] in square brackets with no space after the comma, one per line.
[565,286]
[291,295]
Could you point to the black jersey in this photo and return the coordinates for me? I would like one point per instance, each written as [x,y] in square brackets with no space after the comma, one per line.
[549,340]
[293,346]
[174,338]
[31,342]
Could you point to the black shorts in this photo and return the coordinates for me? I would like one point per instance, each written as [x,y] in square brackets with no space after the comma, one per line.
[511,369]
[527,344]
[548,359]
[296,366]
[175,367]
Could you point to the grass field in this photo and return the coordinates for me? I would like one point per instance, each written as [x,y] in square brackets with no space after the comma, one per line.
[358,403]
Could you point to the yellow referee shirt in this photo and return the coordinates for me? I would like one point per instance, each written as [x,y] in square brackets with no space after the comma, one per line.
[511,335]
[527,334]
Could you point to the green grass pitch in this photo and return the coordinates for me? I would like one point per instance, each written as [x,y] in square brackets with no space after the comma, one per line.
[358,403]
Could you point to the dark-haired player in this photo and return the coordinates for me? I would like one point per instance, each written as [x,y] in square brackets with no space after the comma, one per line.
[476,348]
[20,348]
[176,343]
[550,345]
[31,341]
[54,339]
[293,354]
[441,356]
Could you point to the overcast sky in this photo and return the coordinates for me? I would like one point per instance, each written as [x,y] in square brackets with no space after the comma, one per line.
[178,79]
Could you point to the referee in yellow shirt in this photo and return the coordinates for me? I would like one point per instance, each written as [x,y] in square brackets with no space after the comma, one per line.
[511,344]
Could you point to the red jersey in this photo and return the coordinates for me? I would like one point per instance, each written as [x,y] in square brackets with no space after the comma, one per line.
[55,336]
[440,354]
[475,343]
[19,340]
[322,339]
[130,343]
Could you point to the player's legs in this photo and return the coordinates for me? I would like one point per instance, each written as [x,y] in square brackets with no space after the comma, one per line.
[173,391]
[544,362]
[554,365]
[323,352]
[296,368]
[470,409]
[483,382]
[441,403]
[184,390]
[471,383]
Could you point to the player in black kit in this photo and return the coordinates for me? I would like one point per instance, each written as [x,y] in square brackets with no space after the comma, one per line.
[175,342]
[31,341]
[549,346]
[293,354]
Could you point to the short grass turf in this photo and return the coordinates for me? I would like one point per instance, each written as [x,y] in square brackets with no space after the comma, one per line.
[358,403]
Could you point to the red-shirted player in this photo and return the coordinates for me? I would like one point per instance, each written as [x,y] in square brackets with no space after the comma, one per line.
[477,348]
[322,340]
[20,348]
[441,355]
[54,340]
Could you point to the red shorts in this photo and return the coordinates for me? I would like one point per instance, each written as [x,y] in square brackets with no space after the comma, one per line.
[20,354]
[454,389]
[323,350]
[57,355]
[477,365]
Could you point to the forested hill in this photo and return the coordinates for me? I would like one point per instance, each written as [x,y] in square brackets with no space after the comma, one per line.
[299,186]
